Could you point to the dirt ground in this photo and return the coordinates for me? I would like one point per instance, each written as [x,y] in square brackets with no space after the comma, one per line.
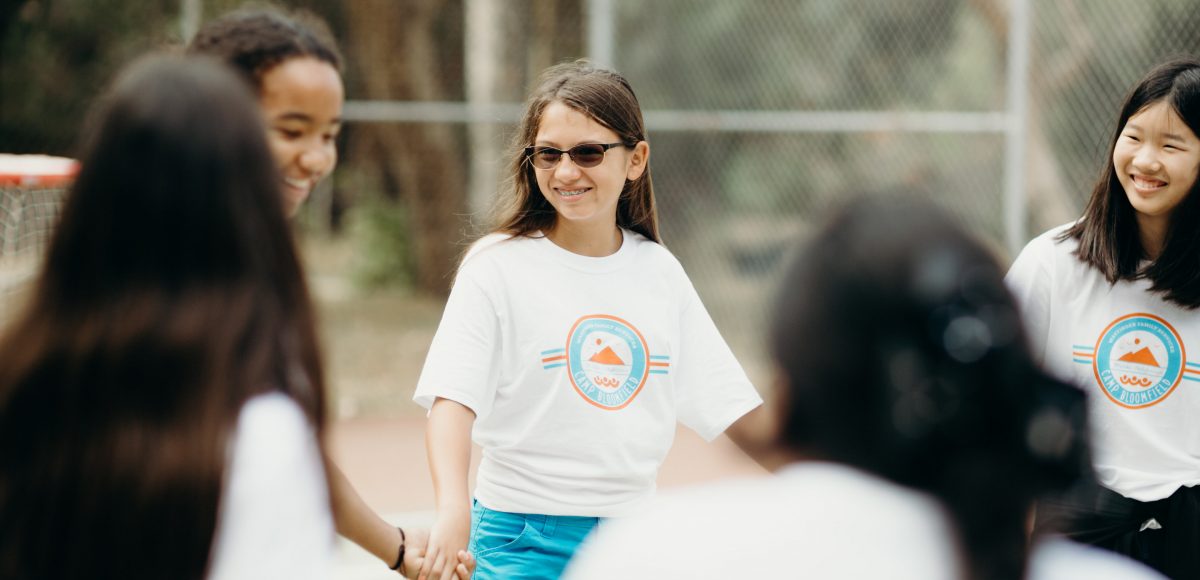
[374,341]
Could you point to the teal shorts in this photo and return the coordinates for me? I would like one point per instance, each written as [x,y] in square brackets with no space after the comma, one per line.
[524,546]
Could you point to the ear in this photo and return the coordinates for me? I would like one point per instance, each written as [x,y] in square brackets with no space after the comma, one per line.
[639,160]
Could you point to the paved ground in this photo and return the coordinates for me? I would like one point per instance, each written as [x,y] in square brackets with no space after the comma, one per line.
[385,459]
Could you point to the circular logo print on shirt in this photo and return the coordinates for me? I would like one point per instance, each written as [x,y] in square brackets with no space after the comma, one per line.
[1139,360]
[607,359]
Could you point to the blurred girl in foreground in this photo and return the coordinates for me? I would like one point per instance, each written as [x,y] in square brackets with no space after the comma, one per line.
[920,429]
[162,398]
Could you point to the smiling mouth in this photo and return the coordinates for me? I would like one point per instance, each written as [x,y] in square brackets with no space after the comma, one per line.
[572,192]
[303,185]
[1147,183]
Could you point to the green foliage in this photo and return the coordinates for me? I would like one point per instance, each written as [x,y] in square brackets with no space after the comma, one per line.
[381,234]
[58,55]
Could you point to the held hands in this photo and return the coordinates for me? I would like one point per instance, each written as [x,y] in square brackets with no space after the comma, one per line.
[415,541]
[446,551]
[416,544]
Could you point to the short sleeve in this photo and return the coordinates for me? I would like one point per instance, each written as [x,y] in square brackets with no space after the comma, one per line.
[713,390]
[463,357]
[1030,281]
[275,519]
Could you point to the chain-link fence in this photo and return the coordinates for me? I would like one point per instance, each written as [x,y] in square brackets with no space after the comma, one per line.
[762,114]
[31,193]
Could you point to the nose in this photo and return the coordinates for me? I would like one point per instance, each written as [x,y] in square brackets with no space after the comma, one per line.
[1145,159]
[566,170]
[318,160]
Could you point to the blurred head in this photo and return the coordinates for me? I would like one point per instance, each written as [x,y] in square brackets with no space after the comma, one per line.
[295,68]
[578,104]
[198,207]
[901,353]
[170,295]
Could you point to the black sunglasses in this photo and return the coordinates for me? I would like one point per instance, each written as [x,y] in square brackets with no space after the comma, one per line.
[582,155]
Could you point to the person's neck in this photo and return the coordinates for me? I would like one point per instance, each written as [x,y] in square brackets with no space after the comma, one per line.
[1152,233]
[595,241]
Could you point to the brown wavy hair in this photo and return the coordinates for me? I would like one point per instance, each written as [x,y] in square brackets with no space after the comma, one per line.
[171,294]
[603,95]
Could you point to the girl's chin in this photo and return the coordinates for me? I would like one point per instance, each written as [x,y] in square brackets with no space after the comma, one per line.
[293,198]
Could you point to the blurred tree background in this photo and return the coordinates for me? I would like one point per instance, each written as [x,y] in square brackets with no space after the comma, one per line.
[409,193]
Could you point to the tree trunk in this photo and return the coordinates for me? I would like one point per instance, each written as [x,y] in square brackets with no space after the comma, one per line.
[410,51]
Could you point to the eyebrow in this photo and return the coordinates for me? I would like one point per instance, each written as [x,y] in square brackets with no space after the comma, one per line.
[304,118]
[552,144]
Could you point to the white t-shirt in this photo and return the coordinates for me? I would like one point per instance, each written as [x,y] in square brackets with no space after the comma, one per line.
[1060,559]
[1136,355]
[577,369]
[811,520]
[274,519]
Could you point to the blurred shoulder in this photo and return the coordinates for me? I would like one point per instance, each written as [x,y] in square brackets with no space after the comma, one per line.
[755,520]
[272,418]
[1060,559]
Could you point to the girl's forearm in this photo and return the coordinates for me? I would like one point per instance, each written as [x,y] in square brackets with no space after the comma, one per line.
[448,445]
[356,521]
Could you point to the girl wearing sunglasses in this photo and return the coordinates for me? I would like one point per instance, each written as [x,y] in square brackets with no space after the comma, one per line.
[571,343]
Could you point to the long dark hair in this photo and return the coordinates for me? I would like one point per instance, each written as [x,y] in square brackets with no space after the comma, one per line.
[602,95]
[1108,233]
[903,356]
[253,41]
[171,294]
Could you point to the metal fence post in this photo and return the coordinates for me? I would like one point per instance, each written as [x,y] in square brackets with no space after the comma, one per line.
[1017,131]
[190,12]
[483,53]
[601,32]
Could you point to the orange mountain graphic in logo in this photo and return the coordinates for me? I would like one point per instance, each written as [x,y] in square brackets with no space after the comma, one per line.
[1142,356]
[606,357]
